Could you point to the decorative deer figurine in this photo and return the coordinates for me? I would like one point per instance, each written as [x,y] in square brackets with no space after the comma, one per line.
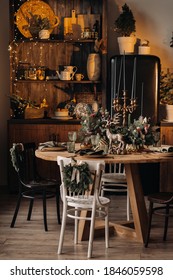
[115,137]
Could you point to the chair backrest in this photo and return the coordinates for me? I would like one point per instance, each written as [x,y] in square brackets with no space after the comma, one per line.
[115,168]
[96,168]
[24,161]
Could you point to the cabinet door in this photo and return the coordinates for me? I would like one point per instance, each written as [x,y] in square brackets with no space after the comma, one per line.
[37,133]
[166,169]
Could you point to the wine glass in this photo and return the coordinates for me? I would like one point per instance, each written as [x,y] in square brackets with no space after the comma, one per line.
[72,136]
[95,140]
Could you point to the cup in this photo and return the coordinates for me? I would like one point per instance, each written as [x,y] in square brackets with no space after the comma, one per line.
[72,136]
[79,77]
[70,147]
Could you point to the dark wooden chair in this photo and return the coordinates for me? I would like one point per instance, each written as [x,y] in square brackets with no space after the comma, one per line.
[31,185]
[163,202]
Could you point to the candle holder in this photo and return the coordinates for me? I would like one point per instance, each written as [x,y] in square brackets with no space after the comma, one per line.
[123,107]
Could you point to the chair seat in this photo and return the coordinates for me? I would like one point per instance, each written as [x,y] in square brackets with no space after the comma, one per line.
[86,203]
[113,177]
[161,197]
[41,183]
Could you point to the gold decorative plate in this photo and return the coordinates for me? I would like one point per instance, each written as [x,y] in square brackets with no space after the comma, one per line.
[34,7]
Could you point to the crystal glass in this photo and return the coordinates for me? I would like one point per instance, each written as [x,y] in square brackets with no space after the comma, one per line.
[72,136]
[95,140]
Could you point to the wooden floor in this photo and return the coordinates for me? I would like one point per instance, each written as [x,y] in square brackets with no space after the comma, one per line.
[28,240]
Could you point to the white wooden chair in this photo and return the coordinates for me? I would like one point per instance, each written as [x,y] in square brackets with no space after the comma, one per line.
[74,203]
[114,180]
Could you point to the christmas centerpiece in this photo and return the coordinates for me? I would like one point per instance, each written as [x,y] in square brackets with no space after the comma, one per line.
[119,139]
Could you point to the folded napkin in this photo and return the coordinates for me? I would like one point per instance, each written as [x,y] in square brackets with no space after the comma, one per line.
[50,144]
[83,152]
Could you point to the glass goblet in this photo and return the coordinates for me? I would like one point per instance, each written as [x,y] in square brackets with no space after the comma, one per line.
[72,136]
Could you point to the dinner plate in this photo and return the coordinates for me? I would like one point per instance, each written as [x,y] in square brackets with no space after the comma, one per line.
[94,156]
[35,8]
[62,118]
[53,149]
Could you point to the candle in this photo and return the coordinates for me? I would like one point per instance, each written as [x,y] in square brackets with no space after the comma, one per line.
[112,82]
[133,92]
[124,68]
[115,77]
[135,78]
[119,80]
[142,99]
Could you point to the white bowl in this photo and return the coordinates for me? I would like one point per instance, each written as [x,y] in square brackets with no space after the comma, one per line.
[61,113]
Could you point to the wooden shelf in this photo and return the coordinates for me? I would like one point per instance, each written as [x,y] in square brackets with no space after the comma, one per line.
[59,81]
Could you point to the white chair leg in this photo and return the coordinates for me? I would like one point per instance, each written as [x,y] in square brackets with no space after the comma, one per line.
[128,206]
[107,229]
[91,234]
[62,232]
[76,223]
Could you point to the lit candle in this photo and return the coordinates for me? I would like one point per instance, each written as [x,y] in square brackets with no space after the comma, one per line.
[142,99]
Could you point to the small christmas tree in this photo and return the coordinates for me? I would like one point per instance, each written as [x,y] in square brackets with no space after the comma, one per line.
[125,23]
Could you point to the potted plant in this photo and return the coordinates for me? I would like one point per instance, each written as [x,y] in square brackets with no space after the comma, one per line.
[125,26]
[166,94]
[38,25]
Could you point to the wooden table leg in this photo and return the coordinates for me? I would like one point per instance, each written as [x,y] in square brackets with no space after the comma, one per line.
[138,205]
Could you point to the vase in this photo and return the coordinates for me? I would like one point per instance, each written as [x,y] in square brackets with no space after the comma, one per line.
[93,67]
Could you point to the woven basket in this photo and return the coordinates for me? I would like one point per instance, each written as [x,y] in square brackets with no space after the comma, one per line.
[34,113]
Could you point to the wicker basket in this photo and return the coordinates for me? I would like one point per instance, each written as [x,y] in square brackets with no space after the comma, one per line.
[34,113]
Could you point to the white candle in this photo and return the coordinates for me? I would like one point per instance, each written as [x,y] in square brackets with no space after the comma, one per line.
[142,99]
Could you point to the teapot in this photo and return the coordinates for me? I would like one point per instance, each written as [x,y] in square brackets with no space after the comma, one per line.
[64,75]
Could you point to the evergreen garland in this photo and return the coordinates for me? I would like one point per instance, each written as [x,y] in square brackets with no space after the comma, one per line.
[85,178]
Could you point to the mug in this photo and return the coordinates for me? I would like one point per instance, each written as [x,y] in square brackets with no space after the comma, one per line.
[79,77]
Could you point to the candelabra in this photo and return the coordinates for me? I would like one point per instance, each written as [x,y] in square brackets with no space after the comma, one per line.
[124,107]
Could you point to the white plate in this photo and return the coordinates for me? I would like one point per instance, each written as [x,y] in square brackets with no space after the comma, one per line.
[94,156]
[62,118]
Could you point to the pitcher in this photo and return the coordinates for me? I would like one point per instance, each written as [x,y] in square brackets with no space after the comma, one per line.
[72,70]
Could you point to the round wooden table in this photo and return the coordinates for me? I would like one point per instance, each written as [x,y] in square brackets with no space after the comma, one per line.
[138,227]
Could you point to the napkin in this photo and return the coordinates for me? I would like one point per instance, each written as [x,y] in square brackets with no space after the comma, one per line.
[50,144]
[83,152]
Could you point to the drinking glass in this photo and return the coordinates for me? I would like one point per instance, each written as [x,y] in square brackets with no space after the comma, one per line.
[71,147]
[95,140]
[72,136]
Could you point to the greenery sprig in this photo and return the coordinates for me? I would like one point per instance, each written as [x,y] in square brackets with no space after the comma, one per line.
[85,177]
